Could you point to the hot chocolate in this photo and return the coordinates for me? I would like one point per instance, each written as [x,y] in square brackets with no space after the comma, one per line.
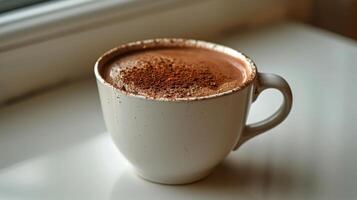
[176,72]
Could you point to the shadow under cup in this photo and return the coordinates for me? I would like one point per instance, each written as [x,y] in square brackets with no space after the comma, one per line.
[175,141]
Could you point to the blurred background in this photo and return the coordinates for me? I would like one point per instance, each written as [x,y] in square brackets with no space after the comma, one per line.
[73,33]
[338,16]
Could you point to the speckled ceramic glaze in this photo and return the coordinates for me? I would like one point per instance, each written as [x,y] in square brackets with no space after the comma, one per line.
[177,141]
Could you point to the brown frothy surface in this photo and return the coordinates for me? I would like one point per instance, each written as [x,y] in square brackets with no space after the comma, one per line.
[175,72]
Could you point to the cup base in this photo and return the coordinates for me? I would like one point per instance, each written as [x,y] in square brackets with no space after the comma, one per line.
[180,180]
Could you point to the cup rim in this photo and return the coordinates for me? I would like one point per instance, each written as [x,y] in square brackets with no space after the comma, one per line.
[174,42]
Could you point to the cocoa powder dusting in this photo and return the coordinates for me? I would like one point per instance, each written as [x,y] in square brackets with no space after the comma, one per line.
[168,77]
[175,72]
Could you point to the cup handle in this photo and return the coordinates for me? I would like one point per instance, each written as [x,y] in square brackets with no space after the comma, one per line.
[266,81]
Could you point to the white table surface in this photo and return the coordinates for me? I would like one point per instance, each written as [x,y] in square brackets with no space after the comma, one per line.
[55,145]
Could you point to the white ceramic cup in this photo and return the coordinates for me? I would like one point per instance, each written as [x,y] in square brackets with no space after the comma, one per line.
[180,141]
